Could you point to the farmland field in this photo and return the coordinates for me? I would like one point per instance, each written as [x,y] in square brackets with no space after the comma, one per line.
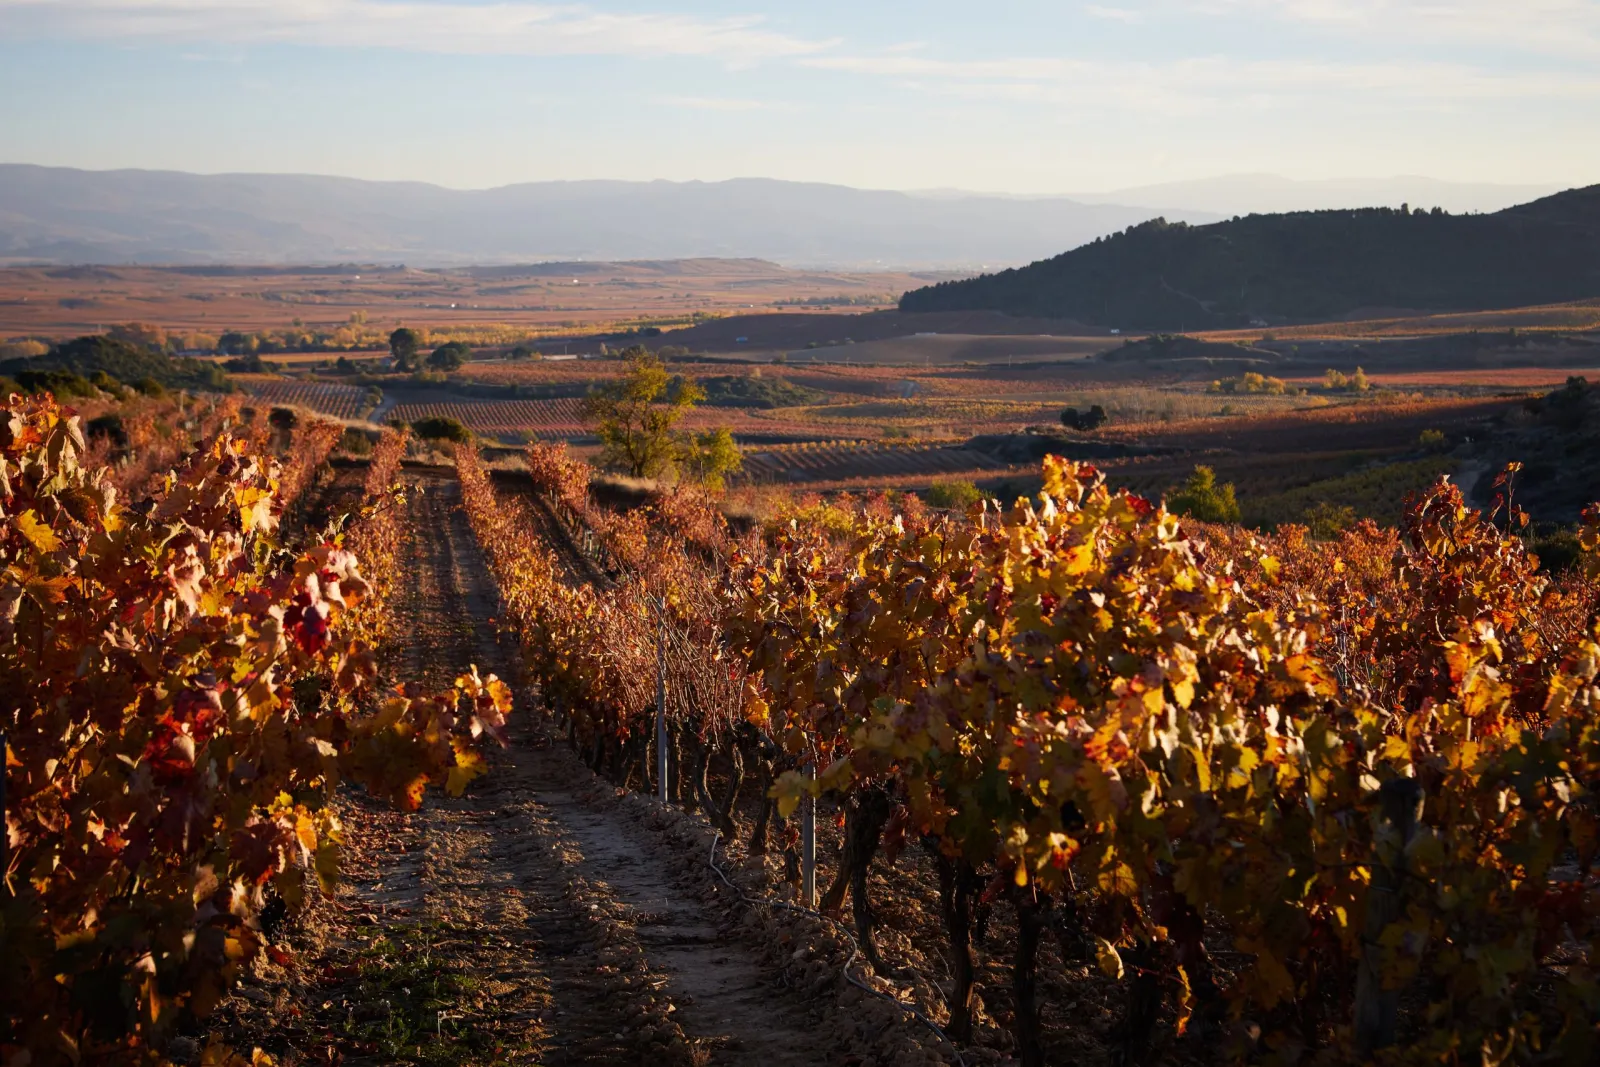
[553,418]
[536,300]
[889,465]
[327,398]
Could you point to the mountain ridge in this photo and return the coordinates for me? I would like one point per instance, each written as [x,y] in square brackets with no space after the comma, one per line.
[1301,267]
[64,215]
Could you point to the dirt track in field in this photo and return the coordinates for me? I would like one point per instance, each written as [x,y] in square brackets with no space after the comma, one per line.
[554,926]
[527,827]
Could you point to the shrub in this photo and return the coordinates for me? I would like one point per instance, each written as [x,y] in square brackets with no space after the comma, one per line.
[1086,421]
[754,391]
[1327,521]
[1432,440]
[60,383]
[1339,382]
[150,387]
[1201,498]
[441,428]
[450,356]
[249,364]
[1251,382]
[953,494]
[23,349]
[1557,550]
[110,427]
[356,442]
[107,384]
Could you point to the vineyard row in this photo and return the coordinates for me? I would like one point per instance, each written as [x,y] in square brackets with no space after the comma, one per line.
[1361,771]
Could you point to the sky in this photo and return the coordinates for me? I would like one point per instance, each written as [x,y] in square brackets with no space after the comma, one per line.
[1018,96]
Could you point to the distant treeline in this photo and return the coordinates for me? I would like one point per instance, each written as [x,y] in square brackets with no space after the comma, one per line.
[1306,266]
[87,364]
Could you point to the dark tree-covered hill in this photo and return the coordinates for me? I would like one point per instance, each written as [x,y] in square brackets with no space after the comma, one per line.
[1306,266]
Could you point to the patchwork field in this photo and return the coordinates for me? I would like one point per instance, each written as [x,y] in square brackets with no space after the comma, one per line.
[328,398]
[534,300]
[838,463]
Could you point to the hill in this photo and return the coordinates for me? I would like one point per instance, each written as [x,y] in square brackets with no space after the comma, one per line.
[61,215]
[122,362]
[1301,267]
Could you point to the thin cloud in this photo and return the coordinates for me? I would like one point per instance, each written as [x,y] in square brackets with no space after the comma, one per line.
[1557,28]
[1113,14]
[1192,86]
[503,27]
[720,103]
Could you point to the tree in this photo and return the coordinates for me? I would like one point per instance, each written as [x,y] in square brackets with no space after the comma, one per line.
[1201,498]
[711,456]
[403,346]
[450,356]
[636,416]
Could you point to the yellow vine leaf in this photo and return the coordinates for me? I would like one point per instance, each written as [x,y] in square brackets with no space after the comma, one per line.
[38,534]
[1105,954]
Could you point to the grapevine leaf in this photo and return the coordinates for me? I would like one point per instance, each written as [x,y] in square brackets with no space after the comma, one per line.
[1105,954]
[38,534]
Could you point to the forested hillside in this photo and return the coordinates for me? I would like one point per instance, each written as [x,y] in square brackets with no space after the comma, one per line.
[1305,266]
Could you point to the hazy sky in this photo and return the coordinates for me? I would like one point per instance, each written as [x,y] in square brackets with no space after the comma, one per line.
[1007,95]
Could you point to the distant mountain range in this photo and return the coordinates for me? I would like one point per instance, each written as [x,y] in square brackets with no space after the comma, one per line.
[1305,266]
[61,215]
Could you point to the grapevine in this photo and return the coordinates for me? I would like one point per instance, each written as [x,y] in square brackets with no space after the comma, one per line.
[1166,737]
[167,769]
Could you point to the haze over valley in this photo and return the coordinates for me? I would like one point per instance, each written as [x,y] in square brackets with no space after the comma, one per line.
[62,215]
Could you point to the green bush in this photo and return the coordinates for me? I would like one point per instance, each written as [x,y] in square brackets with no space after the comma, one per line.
[439,428]
[1378,493]
[62,383]
[954,494]
[356,442]
[122,362]
[1327,521]
[450,356]
[250,364]
[1558,550]
[755,391]
[1201,498]
[107,384]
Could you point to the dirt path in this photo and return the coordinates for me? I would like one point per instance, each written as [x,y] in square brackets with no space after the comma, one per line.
[534,920]
[531,810]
